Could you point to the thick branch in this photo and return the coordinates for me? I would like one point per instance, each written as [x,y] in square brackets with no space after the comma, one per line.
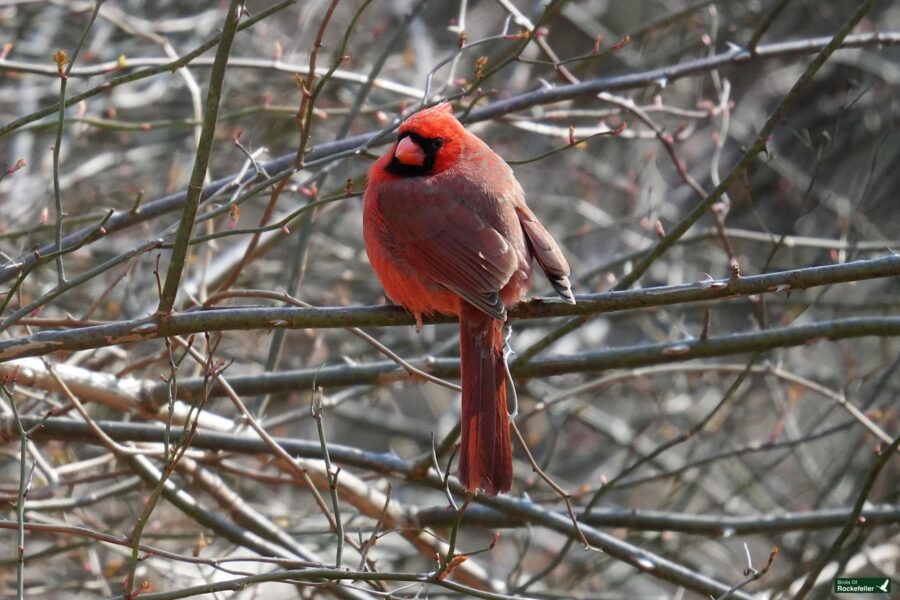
[381,372]
[229,319]
[735,55]
[650,520]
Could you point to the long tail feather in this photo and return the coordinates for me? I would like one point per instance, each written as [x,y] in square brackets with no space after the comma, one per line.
[485,460]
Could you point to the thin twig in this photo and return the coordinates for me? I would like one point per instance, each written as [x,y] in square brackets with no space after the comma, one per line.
[201,161]
[62,59]
[564,495]
[20,498]
[332,475]
[853,521]
[765,24]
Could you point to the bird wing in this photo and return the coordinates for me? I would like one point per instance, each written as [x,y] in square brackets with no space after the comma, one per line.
[455,235]
[544,249]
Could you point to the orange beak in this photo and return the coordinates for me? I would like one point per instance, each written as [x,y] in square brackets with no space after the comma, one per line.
[409,153]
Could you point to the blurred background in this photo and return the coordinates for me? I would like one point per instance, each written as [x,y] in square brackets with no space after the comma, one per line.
[826,191]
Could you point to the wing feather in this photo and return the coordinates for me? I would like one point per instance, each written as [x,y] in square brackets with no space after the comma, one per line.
[544,249]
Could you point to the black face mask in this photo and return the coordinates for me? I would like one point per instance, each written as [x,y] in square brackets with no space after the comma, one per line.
[429,146]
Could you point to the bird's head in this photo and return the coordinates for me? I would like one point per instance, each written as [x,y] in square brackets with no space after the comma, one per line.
[427,143]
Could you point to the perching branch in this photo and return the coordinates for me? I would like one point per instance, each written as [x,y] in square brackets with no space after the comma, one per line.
[231,319]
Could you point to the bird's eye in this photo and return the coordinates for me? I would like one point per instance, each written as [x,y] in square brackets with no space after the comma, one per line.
[437,143]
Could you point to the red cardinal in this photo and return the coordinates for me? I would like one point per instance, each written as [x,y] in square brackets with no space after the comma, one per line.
[447,231]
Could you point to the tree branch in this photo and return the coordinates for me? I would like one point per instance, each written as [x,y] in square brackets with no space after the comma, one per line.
[201,161]
[650,520]
[231,319]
